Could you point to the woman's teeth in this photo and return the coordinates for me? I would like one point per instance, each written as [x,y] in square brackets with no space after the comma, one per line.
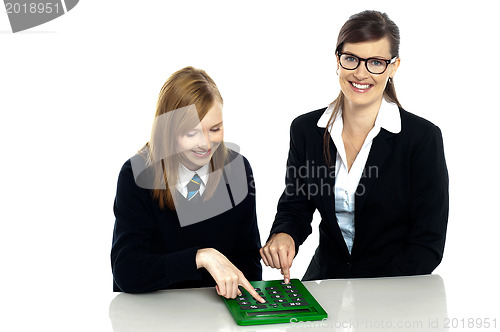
[202,153]
[360,86]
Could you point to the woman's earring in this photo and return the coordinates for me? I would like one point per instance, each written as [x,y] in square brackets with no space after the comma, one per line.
[337,71]
[390,80]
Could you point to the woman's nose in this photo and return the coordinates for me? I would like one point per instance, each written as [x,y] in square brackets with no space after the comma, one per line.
[361,72]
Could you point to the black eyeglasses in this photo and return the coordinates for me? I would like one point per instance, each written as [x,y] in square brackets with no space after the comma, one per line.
[373,65]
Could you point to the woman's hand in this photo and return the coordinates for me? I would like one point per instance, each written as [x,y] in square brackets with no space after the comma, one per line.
[278,253]
[226,275]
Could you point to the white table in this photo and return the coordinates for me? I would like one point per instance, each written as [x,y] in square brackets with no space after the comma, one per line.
[405,303]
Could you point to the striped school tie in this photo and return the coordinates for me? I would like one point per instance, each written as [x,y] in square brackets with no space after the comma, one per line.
[193,186]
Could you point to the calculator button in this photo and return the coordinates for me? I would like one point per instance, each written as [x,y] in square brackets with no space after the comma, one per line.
[297,299]
[294,295]
[242,298]
[277,296]
[271,288]
[255,306]
[295,304]
[257,289]
[288,286]
[280,300]
[244,303]
[272,292]
[291,291]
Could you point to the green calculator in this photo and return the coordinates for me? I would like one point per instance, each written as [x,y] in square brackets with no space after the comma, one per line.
[285,303]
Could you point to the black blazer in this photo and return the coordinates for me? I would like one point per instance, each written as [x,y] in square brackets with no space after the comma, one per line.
[401,203]
[152,251]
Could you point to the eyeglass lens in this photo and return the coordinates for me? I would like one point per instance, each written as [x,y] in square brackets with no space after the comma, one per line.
[374,65]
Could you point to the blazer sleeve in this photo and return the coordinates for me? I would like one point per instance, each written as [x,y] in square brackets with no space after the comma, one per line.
[295,210]
[135,268]
[428,209]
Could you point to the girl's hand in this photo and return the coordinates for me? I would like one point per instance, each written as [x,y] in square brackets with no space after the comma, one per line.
[226,275]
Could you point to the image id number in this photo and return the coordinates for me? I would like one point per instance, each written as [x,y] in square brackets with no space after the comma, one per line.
[32,8]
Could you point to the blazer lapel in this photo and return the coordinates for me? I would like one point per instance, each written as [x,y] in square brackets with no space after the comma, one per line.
[380,150]
[328,198]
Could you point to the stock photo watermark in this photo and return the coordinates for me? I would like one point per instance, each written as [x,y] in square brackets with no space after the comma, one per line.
[311,180]
[384,324]
[26,14]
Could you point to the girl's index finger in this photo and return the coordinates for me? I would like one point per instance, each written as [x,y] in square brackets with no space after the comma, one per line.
[246,284]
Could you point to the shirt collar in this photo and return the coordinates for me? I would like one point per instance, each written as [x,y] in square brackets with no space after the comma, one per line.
[185,175]
[388,117]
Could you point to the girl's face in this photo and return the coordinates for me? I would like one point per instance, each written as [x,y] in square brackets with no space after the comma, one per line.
[197,146]
[360,87]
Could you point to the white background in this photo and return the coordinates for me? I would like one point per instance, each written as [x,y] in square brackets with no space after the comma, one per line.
[78,95]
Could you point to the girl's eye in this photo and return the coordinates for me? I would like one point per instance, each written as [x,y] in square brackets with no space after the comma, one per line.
[190,134]
[215,129]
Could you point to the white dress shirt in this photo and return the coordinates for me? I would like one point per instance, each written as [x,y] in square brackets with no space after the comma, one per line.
[346,182]
[185,175]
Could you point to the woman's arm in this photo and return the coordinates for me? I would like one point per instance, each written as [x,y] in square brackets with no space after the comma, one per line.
[428,209]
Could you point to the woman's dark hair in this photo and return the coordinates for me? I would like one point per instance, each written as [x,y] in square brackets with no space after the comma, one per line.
[368,25]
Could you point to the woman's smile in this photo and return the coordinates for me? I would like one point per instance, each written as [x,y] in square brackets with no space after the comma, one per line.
[360,87]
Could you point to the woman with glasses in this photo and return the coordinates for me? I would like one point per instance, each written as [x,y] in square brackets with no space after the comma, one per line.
[375,172]
[185,203]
